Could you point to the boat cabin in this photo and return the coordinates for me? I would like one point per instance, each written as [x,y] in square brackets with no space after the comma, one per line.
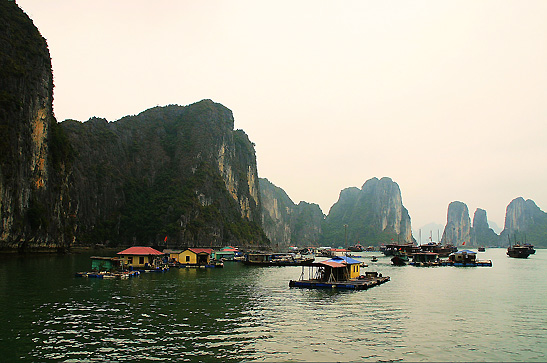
[105,263]
[464,256]
[226,253]
[141,257]
[258,258]
[339,268]
[425,258]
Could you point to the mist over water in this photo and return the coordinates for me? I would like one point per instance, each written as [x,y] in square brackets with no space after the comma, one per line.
[243,313]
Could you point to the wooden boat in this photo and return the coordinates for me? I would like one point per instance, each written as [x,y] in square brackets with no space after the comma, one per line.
[518,251]
[465,258]
[441,250]
[108,275]
[426,259]
[276,259]
[356,248]
[340,272]
[394,249]
[399,260]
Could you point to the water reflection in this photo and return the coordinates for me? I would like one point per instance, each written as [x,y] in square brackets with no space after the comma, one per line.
[246,313]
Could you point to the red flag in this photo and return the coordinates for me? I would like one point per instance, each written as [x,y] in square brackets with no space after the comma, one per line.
[165,240]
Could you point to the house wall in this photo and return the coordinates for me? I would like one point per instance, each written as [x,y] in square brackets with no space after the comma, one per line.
[136,260]
[355,271]
[188,257]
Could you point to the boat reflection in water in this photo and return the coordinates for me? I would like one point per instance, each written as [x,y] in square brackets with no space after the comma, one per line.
[276,259]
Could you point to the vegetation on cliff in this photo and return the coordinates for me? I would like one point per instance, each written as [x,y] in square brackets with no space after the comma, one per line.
[174,172]
[32,150]
[373,215]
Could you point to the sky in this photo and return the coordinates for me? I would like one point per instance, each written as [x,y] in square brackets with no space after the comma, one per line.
[447,98]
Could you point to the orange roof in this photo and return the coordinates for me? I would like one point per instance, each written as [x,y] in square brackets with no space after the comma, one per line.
[201,250]
[140,251]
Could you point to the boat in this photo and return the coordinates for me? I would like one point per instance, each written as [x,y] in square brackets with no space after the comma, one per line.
[340,272]
[394,249]
[441,250]
[356,248]
[530,247]
[399,260]
[426,259]
[482,249]
[518,251]
[374,259]
[276,259]
[465,258]
[108,275]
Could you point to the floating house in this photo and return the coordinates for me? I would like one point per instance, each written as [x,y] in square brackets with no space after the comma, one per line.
[465,258]
[107,268]
[226,253]
[198,257]
[173,256]
[141,258]
[340,272]
[105,263]
[425,259]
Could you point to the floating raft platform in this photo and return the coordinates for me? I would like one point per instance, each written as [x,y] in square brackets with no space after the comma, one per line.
[483,263]
[108,275]
[354,284]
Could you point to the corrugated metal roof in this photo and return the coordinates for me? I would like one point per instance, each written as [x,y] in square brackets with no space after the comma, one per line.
[344,259]
[201,250]
[465,251]
[330,263]
[140,251]
[172,251]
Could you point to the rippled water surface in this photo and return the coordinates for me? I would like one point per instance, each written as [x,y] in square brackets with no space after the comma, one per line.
[242,313]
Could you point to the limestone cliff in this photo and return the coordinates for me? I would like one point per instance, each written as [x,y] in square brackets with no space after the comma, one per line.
[181,173]
[525,222]
[373,214]
[32,158]
[286,223]
[458,226]
[481,233]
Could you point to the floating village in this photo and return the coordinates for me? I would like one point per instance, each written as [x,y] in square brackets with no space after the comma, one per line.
[322,267]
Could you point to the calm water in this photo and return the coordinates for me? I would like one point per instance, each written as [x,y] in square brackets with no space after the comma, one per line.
[242,313]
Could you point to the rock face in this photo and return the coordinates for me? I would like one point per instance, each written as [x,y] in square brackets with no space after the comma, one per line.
[180,173]
[286,223]
[481,233]
[180,176]
[373,214]
[32,157]
[458,226]
[524,223]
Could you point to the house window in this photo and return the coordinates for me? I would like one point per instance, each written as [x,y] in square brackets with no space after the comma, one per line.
[141,260]
[130,260]
[187,258]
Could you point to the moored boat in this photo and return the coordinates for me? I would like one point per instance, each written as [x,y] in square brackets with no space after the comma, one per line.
[399,260]
[518,251]
[465,258]
[340,272]
[426,259]
[276,259]
[356,248]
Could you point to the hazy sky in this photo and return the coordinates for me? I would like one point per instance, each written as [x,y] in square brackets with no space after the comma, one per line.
[448,98]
